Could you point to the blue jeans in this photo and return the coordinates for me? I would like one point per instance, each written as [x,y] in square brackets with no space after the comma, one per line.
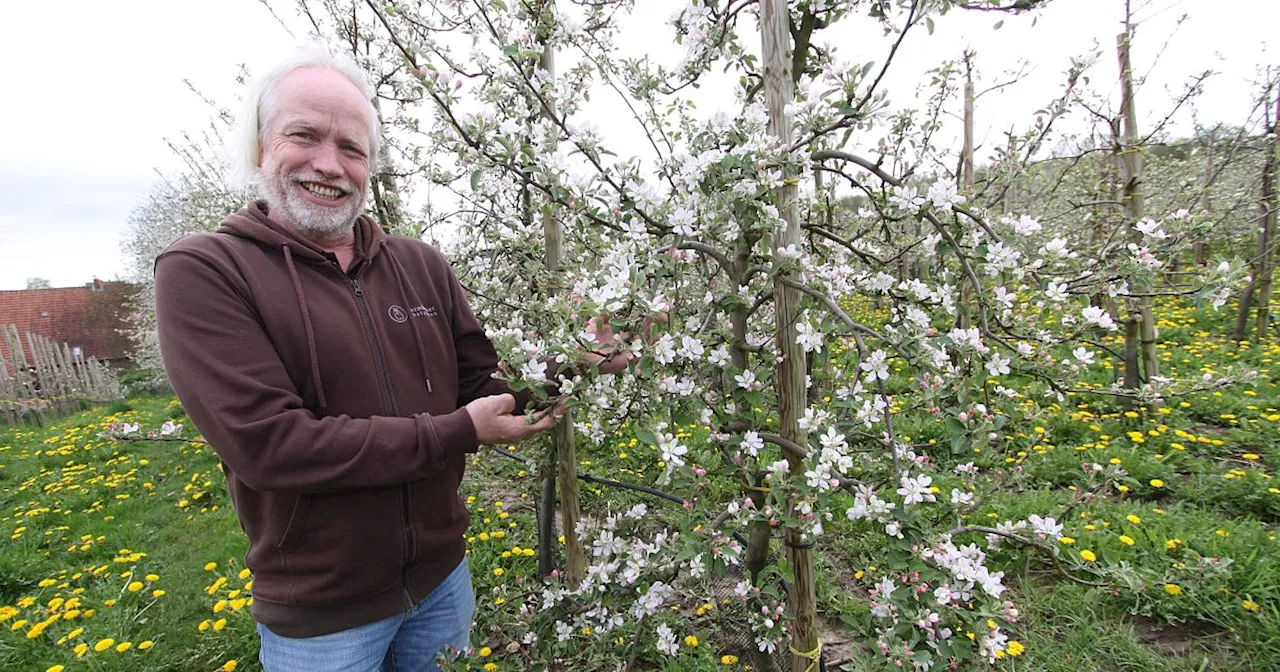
[407,642]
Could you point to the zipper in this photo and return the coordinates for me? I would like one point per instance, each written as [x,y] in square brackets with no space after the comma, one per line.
[388,403]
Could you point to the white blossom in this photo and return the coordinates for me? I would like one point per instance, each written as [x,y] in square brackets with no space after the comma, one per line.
[916,490]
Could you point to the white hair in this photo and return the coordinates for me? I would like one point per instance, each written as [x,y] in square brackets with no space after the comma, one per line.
[250,130]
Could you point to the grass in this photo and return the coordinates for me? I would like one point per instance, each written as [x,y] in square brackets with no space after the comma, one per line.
[88,518]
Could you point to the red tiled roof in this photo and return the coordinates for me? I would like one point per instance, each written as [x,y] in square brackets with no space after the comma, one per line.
[77,316]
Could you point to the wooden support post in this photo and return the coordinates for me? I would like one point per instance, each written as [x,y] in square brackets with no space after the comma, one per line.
[1130,159]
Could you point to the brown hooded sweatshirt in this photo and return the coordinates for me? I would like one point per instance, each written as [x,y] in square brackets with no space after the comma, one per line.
[334,401]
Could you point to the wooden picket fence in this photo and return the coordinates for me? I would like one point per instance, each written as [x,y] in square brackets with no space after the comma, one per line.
[54,382]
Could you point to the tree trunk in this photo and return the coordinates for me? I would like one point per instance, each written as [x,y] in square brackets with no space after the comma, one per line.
[1242,313]
[775,29]
[1265,255]
[1203,249]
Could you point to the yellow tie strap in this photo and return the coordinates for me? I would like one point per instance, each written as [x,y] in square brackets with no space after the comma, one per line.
[814,655]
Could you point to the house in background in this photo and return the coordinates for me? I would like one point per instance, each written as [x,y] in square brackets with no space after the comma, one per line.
[88,318]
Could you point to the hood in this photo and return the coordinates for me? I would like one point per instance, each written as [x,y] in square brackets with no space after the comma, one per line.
[254,223]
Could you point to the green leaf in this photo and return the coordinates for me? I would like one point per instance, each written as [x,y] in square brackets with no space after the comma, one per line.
[928,21]
[998,24]
[646,436]
[475,178]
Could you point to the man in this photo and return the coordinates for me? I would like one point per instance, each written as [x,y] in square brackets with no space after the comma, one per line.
[342,378]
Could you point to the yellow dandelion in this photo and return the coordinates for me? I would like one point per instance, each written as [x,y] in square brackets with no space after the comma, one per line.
[690,640]
[1088,555]
[1173,589]
[1157,483]
[103,645]
[1126,540]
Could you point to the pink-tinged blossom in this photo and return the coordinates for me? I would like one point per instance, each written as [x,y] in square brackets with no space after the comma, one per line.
[1025,226]
[1098,316]
[1045,527]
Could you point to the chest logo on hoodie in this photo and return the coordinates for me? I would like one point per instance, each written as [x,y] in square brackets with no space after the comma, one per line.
[400,315]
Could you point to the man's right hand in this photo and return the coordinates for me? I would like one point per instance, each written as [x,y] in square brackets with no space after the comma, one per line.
[495,424]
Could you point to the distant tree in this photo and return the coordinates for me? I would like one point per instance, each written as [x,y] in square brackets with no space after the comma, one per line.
[191,200]
[37,283]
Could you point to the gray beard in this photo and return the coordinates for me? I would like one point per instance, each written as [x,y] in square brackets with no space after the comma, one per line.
[318,222]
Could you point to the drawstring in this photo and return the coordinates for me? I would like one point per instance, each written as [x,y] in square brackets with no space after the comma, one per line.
[417,335]
[306,322]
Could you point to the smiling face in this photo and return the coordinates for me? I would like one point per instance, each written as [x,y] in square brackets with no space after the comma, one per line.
[314,166]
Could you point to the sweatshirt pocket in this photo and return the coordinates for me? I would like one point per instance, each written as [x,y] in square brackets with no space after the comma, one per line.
[297,521]
[349,546]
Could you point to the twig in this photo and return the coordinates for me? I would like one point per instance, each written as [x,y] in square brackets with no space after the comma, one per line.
[1053,555]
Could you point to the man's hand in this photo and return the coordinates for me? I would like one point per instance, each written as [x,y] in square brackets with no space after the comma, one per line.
[601,333]
[495,424]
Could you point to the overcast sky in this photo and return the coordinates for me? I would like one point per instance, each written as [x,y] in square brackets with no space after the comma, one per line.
[94,90]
